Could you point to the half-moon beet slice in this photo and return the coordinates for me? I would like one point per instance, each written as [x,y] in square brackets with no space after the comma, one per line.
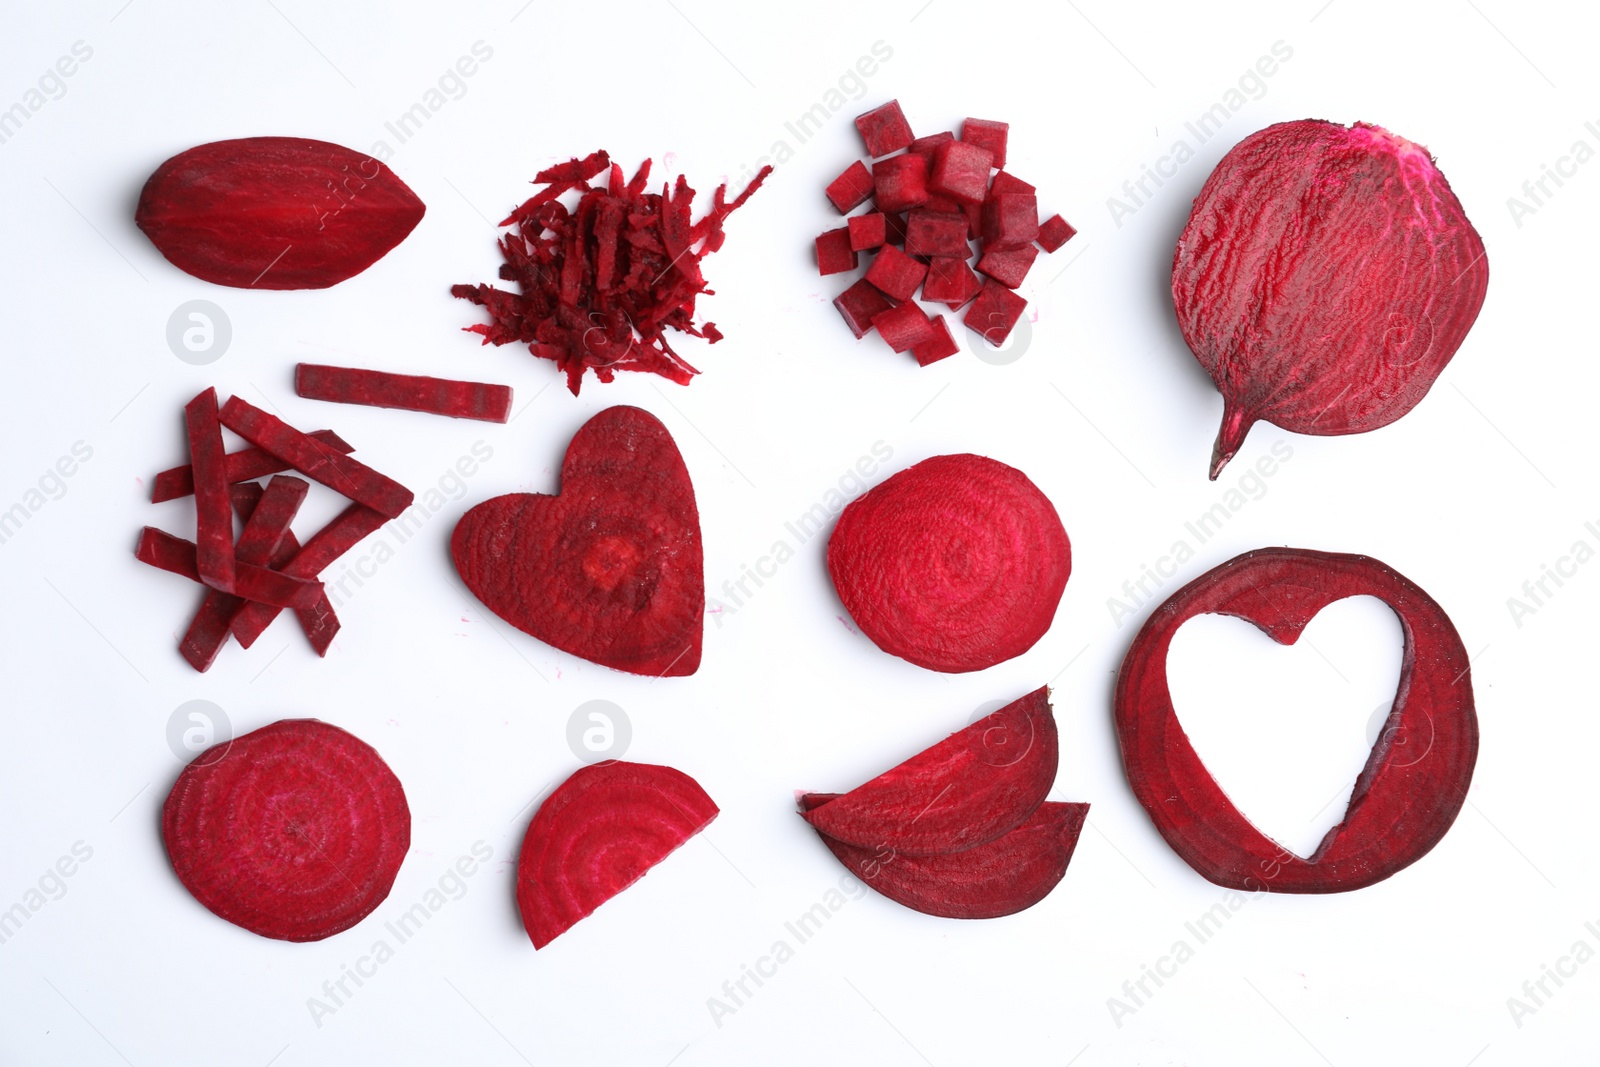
[1415,780]
[275,212]
[956,563]
[976,784]
[610,569]
[1001,877]
[597,834]
[294,831]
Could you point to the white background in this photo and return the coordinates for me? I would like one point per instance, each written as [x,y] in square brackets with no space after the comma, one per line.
[1485,482]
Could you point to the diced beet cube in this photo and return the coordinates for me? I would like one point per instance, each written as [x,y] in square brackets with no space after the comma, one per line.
[850,190]
[943,204]
[1008,266]
[834,254]
[930,233]
[937,347]
[1010,220]
[974,213]
[859,304]
[901,181]
[995,313]
[950,281]
[896,273]
[960,171]
[986,134]
[868,231]
[1055,232]
[896,225]
[904,326]
[1009,183]
[925,146]
[884,129]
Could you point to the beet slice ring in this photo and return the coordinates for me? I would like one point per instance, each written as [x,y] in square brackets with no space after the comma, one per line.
[1404,800]
[955,564]
[975,785]
[294,831]
[1001,877]
[597,834]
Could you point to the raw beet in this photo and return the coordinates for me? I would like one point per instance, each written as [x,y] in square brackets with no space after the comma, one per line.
[901,182]
[342,534]
[950,281]
[1010,220]
[1404,800]
[1324,279]
[1008,266]
[408,392]
[896,273]
[1009,874]
[1055,232]
[851,189]
[988,135]
[257,584]
[955,564]
[610,569]
[275,212]
[601,283]
[242,466]
[961,172]
[939,346]
[213,511]
[932,233]
[860,304]
[884,129]
[994,314]
[868,231]
[597,834]
[904,327]
[978,783]
[834,253]
[294,831]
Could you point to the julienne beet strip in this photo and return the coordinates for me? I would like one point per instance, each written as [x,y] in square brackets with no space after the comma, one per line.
[242,466]
[326,545]
[316,460]
[265,587]
[213,512]
[266,524]
[319,622]
[410,392]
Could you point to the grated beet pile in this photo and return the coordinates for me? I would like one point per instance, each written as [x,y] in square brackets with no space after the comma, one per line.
[600,283]
[930,198]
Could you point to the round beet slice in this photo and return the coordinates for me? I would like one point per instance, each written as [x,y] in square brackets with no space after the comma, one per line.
[1415,781]
[294,831]
[956,563]
[597,834]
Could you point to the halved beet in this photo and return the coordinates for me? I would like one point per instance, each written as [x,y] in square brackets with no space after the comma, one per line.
[597,834]
[610,569]
[1403,802]
[1000,877]
[294,831]
[956,563]
[1325,277]
[976,784]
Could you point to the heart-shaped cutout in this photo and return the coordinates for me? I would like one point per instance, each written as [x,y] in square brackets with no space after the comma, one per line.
[611,568]
[1286,729]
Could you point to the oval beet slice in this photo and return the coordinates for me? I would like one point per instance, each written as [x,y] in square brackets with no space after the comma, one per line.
[956,563]
[1001,877]
[275,212]
[294,831]
[1325,277]
[976,784]
[611,569]
[597,834]
[1414,782]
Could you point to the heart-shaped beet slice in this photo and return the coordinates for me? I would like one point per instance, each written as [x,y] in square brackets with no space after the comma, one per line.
[1325,277]
[1001,877]
[275,212]
[976,784]
[956,563]
[1415,780]
[597,834]
[294,831]
[610,569]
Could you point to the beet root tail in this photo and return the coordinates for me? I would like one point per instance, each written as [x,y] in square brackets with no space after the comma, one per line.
[1235,424]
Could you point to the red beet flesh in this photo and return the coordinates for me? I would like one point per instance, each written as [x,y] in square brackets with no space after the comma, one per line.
[242,466]
[597,834]
[601,283]
[1324,279]
[610,569]
[294,831]
[409,392]
[1415,780]
[884,129]
[1009,874]
[975,785]
[954,564]
[275,212]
